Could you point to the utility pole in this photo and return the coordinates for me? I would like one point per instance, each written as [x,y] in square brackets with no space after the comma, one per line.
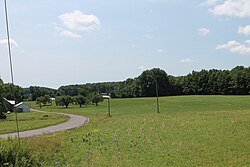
[109,107]
[157,96]
[11,66]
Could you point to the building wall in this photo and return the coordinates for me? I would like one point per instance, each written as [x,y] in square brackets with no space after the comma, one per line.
[23,108]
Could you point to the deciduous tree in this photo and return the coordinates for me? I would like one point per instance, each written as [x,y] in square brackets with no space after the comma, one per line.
[80,100]
[96,98]
[63,101]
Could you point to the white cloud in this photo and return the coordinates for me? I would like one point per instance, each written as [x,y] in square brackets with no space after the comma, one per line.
[209,2]
[187,60]
[232,8]
[247,42]
[13,43]
[69,34]
[236,47]
[160,50]
[244,30]
[203,31]
[78,21]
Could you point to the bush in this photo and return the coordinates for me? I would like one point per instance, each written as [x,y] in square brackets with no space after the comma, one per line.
[13,155]
[2,116]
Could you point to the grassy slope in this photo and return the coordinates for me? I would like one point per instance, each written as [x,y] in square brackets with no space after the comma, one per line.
[189,131]
[29,121]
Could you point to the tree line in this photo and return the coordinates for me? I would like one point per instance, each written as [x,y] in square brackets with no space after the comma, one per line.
[65,100]
[204,82]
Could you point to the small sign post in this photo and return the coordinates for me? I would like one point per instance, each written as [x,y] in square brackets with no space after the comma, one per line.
[157,97]
[107,97]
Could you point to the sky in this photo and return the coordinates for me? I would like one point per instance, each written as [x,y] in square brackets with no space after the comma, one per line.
[62,42]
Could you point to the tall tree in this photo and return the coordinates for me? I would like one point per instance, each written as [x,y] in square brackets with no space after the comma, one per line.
[9,89]
[47,100]
[240,78]
[96,98]
[80,100]
[2,103]
[63,101]
[39,101]
[148,79]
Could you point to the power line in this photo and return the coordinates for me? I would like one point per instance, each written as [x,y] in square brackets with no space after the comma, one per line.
[11,65]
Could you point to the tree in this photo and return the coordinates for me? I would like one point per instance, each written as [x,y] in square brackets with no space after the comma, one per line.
[2,105]
[96,98]
[47,100]
[148,80]
[240,78]
[80,100]
[9,89]
[63,101]
[39,101]
[43,100]
[34,92]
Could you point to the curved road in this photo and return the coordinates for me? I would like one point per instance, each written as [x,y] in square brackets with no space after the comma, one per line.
[75,121]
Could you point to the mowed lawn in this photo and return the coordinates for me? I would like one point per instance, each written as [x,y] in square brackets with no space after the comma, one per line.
[189,131]
[29,121]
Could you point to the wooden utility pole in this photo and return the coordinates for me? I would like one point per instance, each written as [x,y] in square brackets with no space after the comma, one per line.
[157,96]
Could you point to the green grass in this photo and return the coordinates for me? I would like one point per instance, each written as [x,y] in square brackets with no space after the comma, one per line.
[29,121]
[189,131]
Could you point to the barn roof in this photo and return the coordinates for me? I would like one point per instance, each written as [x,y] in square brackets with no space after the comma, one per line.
[12,102]
[106,97]
[21,103]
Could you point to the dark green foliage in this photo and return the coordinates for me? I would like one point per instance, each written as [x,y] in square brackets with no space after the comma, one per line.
[147,83]
[96,98]
[69,90]
[214,82]
[204,82]
[128,88]
[80,100]
[43,100]
[8,90]
[64,101]
[84,90]
[240,79]
[39,101]
[2,116]
[46,100]
[34,92]
[2,105]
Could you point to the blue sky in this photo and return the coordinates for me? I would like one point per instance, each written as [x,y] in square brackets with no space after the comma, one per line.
[61,42]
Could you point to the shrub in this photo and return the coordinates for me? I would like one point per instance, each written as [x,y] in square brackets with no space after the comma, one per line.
[13,155]
[2,116]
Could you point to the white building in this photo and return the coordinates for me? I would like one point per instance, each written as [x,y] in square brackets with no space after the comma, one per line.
[22,107]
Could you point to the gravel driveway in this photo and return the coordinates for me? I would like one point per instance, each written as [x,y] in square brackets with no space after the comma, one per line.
[75,121]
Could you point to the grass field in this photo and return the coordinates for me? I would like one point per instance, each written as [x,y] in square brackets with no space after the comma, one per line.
[189,131]
[29,121]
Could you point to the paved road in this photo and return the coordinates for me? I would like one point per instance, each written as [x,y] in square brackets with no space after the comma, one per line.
[75,121]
